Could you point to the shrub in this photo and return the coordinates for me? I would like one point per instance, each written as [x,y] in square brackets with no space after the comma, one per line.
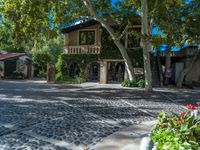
[177,132]
[129,83]
[78,79]
[141,83]
[42,58]
[59,76]
[42,74]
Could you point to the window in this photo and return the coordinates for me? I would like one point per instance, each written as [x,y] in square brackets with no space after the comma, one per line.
[87,37]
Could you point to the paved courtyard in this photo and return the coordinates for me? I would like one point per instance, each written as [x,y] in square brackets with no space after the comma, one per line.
[35,115]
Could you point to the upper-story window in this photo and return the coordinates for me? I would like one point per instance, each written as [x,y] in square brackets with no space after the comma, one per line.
[87,37]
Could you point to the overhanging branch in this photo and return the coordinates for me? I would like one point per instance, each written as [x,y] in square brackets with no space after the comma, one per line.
[125,31]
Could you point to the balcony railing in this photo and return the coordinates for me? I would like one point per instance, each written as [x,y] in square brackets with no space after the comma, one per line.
[82,49]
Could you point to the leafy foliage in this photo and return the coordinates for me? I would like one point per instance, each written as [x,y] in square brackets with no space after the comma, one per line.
[55,47]
[177,132]
[65,60]
[28,18]
[141,83]
[178,20]
[42,74]
[42,57]
[110,51]
[129,83]
[59,68]
[8,42]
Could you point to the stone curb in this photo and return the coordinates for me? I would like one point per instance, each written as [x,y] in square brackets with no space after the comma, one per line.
[126,139]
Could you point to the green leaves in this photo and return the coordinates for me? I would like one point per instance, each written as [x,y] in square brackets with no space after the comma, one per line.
[177,132]
[129,83]
[42,57]
[28,17]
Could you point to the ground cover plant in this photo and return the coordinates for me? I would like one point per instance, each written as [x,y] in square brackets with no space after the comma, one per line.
[178,132]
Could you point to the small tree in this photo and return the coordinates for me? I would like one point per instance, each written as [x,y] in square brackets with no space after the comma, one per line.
[55,47]
[42,58]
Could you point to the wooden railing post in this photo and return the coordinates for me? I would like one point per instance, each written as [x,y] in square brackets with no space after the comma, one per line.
[83,49]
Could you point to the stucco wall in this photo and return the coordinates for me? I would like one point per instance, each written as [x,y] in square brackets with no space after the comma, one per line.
[26,67]
[194,74]
[1,71]
[73,37]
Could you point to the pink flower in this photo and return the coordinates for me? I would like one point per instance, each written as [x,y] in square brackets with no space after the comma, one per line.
[198,103]
[190,106]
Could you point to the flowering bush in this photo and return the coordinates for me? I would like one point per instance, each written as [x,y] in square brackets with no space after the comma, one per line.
[178,132]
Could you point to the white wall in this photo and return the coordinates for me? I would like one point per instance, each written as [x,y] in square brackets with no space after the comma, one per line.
[26,68]
[178,69]
[194,73]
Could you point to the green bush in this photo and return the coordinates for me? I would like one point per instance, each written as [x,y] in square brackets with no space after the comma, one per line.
[59,76]
[141,83]
[178,132]
[42,74]
[42,58]
[79,79]
[134,83]
[129,83]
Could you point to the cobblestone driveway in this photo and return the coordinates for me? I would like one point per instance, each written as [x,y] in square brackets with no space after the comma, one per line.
[49,117]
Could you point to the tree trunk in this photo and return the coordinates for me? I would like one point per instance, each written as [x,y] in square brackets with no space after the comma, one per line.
[128,63]
[146,45]
[186,70]
[121,47]
[161,76]
[147,68]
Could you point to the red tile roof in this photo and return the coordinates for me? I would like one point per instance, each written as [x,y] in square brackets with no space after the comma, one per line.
[10,55]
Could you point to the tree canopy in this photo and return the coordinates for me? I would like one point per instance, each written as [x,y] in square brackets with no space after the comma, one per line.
[177,18]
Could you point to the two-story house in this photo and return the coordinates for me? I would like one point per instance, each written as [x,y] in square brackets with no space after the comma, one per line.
[89,38]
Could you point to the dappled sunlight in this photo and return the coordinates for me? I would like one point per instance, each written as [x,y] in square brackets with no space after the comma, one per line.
[56,116]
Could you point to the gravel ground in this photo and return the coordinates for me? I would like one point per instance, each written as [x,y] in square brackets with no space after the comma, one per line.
[35,115]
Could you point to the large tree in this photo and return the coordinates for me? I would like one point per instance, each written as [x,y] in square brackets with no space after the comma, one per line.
[177,19]
[6,38]
[180,21]
[33,17]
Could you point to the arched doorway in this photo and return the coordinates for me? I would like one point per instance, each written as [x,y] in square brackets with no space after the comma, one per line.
[74,70]
[94,72]
[116,72]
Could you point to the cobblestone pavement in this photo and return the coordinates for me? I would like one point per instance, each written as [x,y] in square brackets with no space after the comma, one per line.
[51,117]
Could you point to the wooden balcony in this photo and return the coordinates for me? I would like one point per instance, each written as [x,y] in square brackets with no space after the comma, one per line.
[83,49]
